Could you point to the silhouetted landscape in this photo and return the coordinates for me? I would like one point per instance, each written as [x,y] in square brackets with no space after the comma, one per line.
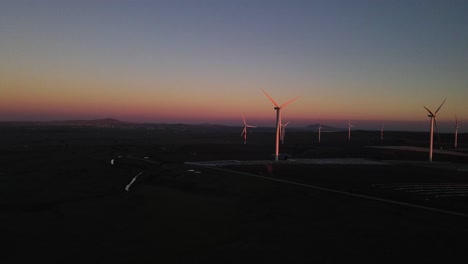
[66,195]
[233,131]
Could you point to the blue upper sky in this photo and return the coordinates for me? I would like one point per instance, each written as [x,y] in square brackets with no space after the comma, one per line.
[190,61]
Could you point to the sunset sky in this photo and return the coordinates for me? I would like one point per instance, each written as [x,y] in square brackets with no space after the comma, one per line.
[205,61]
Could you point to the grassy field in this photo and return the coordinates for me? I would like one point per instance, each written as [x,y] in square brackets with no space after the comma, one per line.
[62,201]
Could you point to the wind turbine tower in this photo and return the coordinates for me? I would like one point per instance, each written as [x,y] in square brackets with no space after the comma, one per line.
[433,121]
[319,130]
[244,131]
[381,131]
[456,131]
[349,130]
[278,119]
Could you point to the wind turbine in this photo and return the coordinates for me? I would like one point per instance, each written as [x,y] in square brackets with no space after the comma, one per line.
[456,131]
[278,119]
[244,131]
[381,131]
[433,121]
[319,130]
[349,130]
[283,131]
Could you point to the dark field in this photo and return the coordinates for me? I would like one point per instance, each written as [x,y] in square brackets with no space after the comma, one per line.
[62,201]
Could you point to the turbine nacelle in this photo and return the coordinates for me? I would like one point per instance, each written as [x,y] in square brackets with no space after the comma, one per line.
[456,122]
[274,103]
[435,113]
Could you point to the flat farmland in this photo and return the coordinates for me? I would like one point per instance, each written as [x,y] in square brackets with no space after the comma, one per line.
[63,198]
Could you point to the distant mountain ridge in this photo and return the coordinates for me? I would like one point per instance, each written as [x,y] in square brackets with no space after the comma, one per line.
[208,127]
[115,123]
[106,122]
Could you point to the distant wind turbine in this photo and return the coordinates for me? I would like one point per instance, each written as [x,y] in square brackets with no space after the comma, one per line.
[244,131]
[319,130]
[349,130]
[283,132]
[433,121]
[278,119]
[456,131]
[381,131]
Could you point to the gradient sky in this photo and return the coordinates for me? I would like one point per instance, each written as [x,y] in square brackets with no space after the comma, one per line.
[205,61]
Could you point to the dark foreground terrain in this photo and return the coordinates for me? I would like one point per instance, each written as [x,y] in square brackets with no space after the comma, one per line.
[63,198]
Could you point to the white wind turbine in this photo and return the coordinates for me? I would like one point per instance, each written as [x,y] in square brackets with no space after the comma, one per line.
[278,119]
[381,131]
[349,130]
[319,130]
[433,121]
[283,132]
[244,131]
[456,131]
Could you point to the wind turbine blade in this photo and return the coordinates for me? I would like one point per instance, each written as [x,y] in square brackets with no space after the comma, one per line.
[288,102]
[440,106]
[429,111]
[269,97]
[251,126]
[286,124]
[243,119]
[243,131]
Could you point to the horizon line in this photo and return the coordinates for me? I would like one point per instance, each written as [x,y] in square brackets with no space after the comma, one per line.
[302,124]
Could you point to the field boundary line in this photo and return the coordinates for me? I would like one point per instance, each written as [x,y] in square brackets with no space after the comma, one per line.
[342,192]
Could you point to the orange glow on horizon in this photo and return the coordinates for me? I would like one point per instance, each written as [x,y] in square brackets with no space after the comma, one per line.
[178,101]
